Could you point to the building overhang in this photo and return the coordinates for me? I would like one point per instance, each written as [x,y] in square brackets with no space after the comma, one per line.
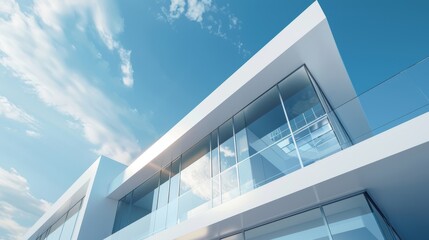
[305,41]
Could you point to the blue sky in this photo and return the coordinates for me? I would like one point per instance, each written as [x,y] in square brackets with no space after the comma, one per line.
[79,78]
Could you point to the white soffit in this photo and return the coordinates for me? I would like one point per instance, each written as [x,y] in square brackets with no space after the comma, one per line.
[306,40]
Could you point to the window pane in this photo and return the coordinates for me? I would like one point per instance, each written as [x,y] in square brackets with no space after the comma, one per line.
[174,181]
[164,185]
[226,146]
[265,121]
[316,141]
[122,213]
[216,194]
[195,166]
[385,228]
[301,101]
[70,222]
[195,201]
[241,136]
[352,219]
[308,225]
[229,184]
[172,210]
[55,231]
[144,198]
[215,153]
[268,165]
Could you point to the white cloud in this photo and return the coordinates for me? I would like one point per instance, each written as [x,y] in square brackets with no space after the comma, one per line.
[32,133]
[103,14]
[218,21]
[177,7]
[18,207]
[197,8]
[13,112]
[35,48]
[126,67]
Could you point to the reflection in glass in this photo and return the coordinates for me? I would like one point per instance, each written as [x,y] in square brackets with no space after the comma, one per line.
[308,225]
[173,202]
[122,212]
[161,213]
[316,141]
[195,166]
[144,199]
[70,222]
[300,100]
[215,153]
[55,230]
[195,201]
[226,146]
[229,184]
[268,165]
[265,122]
[352,219]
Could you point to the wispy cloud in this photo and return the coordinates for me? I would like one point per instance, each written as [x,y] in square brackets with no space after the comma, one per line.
[217,20]
[13,112]
[18,207]
[37,47]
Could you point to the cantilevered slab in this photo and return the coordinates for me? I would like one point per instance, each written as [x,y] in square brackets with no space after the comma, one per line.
[307,40]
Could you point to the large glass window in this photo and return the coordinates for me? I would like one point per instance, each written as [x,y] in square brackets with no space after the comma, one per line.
[313,133]
[264,135]
[348,219]
[300,99]
[56,229]
[63,228]
[284,129]
[195,184]
[145,198]
[70,222]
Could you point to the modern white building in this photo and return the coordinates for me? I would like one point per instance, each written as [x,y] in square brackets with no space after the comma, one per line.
[281,150]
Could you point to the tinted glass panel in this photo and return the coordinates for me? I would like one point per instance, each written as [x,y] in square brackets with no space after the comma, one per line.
[352,219]
[195,166]
[144,199]
[164,185]
[229,184]
[215,153]
[70,222]
[316,141]
[226,146]
[265,122]
[56,229]
[300,99]
[122,212]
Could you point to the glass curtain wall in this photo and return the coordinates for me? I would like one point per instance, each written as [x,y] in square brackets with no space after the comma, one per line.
[63,228]
[283,130]
[353,218]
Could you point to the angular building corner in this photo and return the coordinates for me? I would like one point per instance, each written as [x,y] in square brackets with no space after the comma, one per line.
[284,148]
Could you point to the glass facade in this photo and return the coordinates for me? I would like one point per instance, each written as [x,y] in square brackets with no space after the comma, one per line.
[63,228]
[283,130]
[348,219]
